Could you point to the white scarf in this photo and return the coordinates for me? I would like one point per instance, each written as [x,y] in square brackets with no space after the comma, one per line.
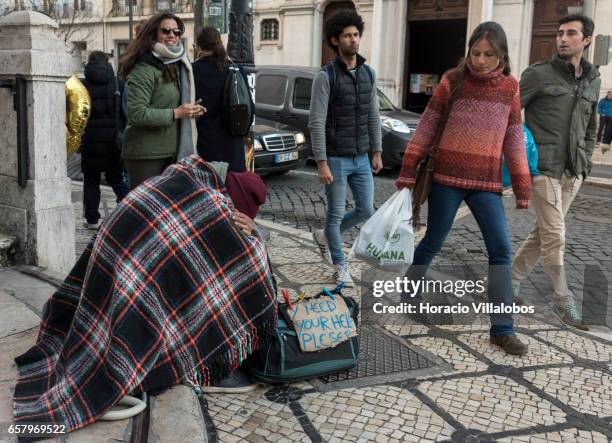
[188,133]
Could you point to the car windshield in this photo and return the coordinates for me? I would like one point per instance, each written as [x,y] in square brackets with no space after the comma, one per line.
[384,104]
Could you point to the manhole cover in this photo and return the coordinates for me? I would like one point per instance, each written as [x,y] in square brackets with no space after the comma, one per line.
[383,358]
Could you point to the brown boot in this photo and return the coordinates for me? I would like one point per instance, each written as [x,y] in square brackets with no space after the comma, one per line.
[511,344]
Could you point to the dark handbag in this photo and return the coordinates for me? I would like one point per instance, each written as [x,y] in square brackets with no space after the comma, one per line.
[281,360]
[237,102]
[425,170]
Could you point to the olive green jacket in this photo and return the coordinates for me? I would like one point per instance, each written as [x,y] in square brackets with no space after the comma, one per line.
[560,111]
[152,131]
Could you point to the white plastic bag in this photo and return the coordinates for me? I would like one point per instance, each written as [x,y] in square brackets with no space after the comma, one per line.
[387,238]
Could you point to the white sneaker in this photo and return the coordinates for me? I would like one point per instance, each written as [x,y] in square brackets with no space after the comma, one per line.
[320,240]
[92,226]
[342,276]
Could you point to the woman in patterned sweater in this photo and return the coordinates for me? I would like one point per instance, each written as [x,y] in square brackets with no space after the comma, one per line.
[484,122]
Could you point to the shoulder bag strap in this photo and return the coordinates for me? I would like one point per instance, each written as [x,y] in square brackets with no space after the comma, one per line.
[441,126]
[117,108]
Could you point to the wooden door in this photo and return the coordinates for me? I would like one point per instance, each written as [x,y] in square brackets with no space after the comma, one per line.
[437,9]
[328,53]
[546,15]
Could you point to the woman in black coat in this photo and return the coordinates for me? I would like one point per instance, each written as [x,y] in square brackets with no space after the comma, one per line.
[209,72]
[100,149]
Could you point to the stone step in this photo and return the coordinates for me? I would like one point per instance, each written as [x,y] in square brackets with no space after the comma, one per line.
[8,248]
[176,415]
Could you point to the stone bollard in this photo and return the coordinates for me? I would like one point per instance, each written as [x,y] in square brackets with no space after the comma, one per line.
[40,213]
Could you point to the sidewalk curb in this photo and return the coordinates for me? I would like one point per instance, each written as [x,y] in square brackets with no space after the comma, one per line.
[599,182]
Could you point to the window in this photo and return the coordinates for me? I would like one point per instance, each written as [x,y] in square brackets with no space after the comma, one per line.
[269,29]
[301,93]
[121,46]
[166,5]
[270,89]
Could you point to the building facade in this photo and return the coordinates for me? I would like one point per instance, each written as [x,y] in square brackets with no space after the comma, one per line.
[102,25]
[410,43]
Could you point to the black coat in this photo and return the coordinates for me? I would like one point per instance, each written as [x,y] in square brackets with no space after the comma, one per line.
[99,149]
[214,142]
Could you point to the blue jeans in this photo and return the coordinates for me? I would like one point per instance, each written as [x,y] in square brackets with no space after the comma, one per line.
[357,173]
[488,210]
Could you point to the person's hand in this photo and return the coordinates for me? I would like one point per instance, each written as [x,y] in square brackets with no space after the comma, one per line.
[244,222]
[190,110]
[403,184]
[325,175]
[377,163]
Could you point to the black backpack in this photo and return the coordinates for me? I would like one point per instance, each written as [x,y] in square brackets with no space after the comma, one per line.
[237,108]
[281,360]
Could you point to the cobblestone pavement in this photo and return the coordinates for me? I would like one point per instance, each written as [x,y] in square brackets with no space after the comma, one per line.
[414,382]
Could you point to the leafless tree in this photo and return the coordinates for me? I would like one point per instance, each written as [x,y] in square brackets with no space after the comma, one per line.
[69,18]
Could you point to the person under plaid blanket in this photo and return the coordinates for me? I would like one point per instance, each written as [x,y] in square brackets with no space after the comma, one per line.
[170,291]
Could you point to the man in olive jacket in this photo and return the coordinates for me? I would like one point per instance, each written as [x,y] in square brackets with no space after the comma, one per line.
[560,101]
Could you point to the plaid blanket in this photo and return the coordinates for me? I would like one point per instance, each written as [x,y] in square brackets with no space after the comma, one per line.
[170,291]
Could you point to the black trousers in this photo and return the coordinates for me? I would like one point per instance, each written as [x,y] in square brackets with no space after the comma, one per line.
[114,176]
[604,122]
[607,137]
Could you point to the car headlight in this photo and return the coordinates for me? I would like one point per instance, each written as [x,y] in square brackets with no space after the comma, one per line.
[257,145]
[393,124]
[299,138]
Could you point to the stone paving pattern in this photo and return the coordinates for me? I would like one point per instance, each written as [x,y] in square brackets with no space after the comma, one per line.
[559,392]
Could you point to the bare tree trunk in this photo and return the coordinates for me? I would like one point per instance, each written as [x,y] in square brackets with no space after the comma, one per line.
[240,39]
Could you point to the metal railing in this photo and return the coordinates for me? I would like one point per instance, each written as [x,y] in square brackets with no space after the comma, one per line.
[178,7]
[18,89]
[122,9]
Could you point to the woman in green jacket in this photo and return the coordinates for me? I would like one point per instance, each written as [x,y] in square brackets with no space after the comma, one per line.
[161,104]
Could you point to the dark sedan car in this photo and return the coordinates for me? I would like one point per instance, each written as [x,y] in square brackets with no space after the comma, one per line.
[282,94]
[278,147]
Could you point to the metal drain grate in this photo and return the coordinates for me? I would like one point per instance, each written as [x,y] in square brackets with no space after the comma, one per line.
[383,358]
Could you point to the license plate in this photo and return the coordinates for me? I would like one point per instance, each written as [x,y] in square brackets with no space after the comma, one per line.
[285,157]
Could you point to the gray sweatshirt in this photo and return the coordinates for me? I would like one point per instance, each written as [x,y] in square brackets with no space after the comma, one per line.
[319,100]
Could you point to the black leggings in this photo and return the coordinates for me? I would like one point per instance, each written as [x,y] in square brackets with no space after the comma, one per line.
[141,170]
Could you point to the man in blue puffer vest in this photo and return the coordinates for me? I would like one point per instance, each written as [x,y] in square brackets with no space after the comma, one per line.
[345,128]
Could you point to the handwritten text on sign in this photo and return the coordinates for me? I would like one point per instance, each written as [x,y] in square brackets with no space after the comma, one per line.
[322,323]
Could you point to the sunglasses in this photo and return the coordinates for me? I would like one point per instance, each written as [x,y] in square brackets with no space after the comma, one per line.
[176,31]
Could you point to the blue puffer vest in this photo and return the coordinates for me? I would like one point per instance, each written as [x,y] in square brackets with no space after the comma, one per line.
[346,129]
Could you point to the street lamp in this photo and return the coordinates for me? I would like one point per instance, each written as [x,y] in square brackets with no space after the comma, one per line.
[240,39]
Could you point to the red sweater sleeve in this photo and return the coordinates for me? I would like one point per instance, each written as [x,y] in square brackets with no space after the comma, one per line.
[514,153]
[420,142]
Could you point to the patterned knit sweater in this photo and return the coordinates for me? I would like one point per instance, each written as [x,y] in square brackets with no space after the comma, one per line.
[484,123]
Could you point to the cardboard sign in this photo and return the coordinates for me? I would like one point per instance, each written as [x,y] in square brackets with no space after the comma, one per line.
[322,323]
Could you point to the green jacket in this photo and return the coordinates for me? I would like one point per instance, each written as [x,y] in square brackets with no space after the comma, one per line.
[560,111]
[151,132]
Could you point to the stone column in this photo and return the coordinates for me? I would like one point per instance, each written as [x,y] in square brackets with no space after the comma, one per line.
[478,11]
[39,215]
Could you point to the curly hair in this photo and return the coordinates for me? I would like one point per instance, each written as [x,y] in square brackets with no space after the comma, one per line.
[340,20]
